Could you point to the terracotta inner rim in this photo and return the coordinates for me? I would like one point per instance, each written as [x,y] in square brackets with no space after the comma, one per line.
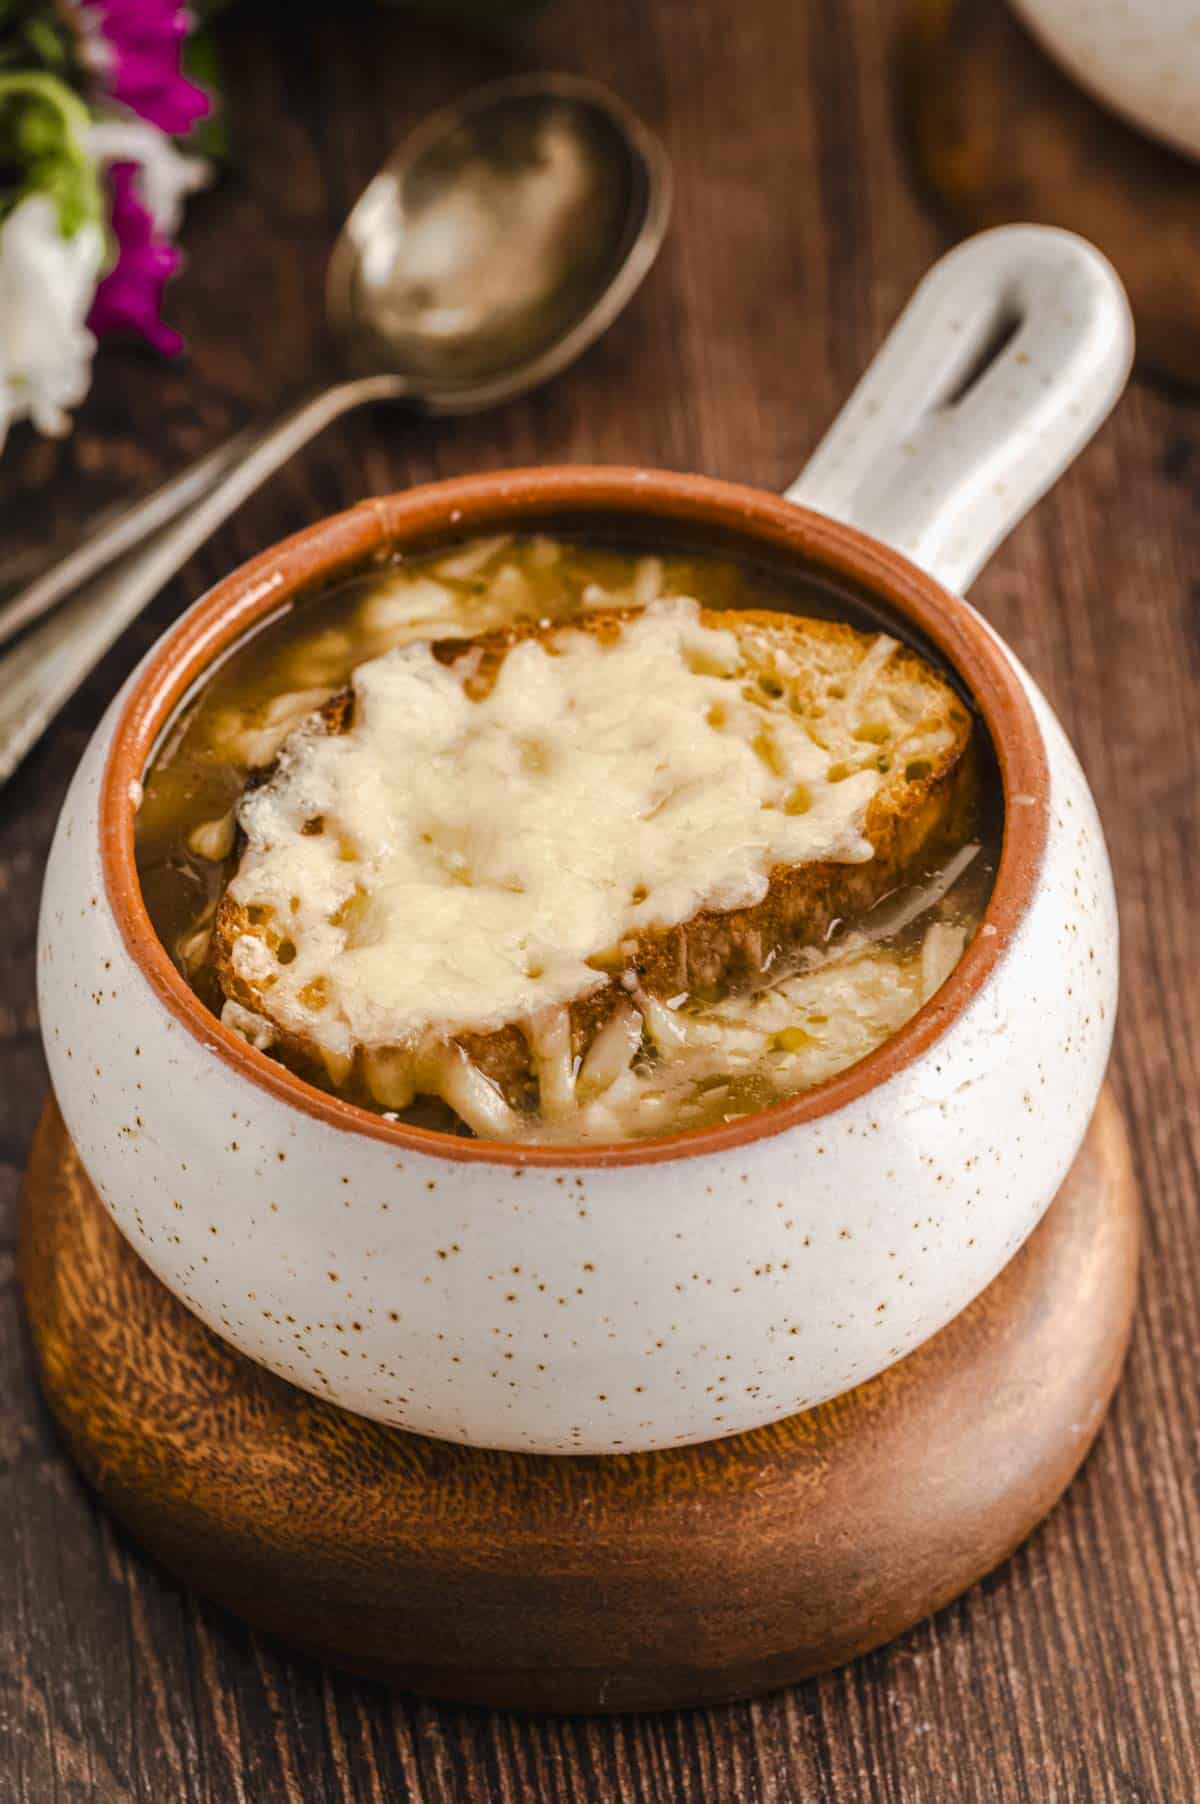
[337,547]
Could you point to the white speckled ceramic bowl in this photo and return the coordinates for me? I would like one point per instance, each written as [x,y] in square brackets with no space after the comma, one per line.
[653,1293]
[1140,57]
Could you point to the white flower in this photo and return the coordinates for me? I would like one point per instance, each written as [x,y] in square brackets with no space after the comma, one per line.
[46,288]
[165,177]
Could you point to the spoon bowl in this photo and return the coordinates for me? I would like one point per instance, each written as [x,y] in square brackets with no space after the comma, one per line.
[503,237]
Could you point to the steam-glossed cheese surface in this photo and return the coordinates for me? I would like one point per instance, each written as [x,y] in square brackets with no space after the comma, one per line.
[445,892]
[473,855]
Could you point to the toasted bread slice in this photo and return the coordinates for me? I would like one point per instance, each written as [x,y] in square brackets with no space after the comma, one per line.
[871,705]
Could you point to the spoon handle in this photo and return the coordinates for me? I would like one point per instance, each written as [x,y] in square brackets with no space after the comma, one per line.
[40,673]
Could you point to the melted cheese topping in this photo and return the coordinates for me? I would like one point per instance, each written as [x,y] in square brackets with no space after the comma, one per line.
[460,862]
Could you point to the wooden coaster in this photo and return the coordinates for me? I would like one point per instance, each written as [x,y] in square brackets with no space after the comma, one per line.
[1002,134]
[609,1583]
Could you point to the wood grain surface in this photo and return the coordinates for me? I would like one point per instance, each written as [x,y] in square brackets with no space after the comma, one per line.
[1072,1674]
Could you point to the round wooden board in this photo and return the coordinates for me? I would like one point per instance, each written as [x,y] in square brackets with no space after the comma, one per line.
[1001,134]
[610,1583]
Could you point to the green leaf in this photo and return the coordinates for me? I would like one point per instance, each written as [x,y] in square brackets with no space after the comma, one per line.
[35,38]
[41,149]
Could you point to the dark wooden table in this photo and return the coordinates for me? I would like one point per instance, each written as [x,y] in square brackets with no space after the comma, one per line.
[1074,1673]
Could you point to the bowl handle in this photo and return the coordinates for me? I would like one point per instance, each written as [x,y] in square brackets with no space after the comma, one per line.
[1006,360]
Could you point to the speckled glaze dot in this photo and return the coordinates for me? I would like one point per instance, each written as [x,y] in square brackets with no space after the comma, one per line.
[657,1294]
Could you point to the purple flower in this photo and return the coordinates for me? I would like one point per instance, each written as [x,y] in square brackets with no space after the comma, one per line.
[129,299]
[136,47]
[140,43]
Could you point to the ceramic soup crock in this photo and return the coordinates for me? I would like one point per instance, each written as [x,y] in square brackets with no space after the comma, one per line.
[607,1299]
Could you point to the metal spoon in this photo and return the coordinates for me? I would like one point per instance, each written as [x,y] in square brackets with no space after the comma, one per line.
[502,238]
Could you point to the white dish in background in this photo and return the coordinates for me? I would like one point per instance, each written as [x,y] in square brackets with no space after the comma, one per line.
[1139,57]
